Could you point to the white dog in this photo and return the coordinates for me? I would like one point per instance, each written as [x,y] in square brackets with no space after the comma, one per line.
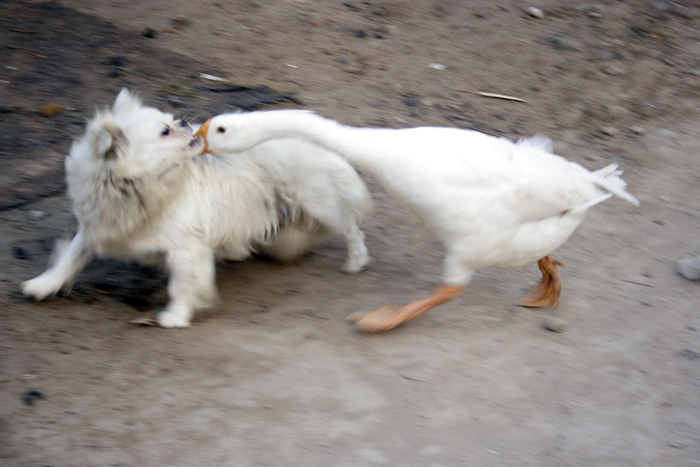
[141,191]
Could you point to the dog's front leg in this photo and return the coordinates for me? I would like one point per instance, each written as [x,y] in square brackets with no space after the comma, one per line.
[69,260]
[191,285]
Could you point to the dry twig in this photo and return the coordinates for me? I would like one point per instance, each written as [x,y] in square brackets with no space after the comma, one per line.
[495,96]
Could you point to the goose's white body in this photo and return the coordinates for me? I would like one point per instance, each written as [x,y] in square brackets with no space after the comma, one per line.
[492,201]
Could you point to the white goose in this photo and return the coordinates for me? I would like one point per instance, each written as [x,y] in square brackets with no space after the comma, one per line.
[493,202]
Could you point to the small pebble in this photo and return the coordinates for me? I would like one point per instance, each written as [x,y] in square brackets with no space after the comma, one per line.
[37,215]
[607,54]
[19,252]
[644,302]
[51,110]
[689,354]
[560,43]
[613,69]
[637,130]
[555,325]
[378,11]
[594,10]
[31,395]
[535,12]
[360,34]
[411,102]
[661,6]
[610,131]
[150,33]
[689,267]
[380,33]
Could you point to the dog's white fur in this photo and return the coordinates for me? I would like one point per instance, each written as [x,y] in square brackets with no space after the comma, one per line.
[140,191]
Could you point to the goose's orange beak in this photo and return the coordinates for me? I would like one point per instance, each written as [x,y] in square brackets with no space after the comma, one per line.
[202,133]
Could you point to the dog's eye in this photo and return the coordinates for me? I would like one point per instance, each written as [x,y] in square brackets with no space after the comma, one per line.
[221,130]
[166,131]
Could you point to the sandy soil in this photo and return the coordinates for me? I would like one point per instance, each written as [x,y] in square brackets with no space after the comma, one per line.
[273,375]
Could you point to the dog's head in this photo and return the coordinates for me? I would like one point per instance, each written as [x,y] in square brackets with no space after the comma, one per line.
[134,141]
[125,167]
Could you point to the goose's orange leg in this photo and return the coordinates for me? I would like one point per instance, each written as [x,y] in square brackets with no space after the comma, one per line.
[547,292]
[390,316]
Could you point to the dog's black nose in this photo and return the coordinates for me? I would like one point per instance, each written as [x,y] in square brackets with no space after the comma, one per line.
[184,124]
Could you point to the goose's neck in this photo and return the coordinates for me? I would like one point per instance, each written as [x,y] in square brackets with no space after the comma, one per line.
[365,148]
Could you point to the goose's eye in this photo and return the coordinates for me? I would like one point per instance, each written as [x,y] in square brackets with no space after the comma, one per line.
[221,130]
[166,131]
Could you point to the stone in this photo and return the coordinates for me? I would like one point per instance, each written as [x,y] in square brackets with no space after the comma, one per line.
[689,267]
[613,69]
[37,215]
[594,10]
[555,325]
[535,12]
[610,131]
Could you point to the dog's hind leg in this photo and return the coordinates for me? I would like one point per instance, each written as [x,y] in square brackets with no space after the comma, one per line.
[358,256]
[191,285]
[343,219]
[69,260]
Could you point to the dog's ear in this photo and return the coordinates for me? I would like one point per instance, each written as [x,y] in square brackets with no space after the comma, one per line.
[126,102]
[108,139]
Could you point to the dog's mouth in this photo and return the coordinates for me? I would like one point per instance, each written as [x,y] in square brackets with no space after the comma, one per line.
[197,141]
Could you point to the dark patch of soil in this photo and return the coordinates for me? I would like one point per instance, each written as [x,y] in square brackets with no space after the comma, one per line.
[64,65]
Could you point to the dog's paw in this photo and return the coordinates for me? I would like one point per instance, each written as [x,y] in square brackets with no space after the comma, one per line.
[355,265]
[172,319]
[39,288]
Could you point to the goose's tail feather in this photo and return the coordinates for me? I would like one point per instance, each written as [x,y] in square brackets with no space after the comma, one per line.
[608,178]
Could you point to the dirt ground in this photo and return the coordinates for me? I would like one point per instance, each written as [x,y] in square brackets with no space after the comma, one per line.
[273,375]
